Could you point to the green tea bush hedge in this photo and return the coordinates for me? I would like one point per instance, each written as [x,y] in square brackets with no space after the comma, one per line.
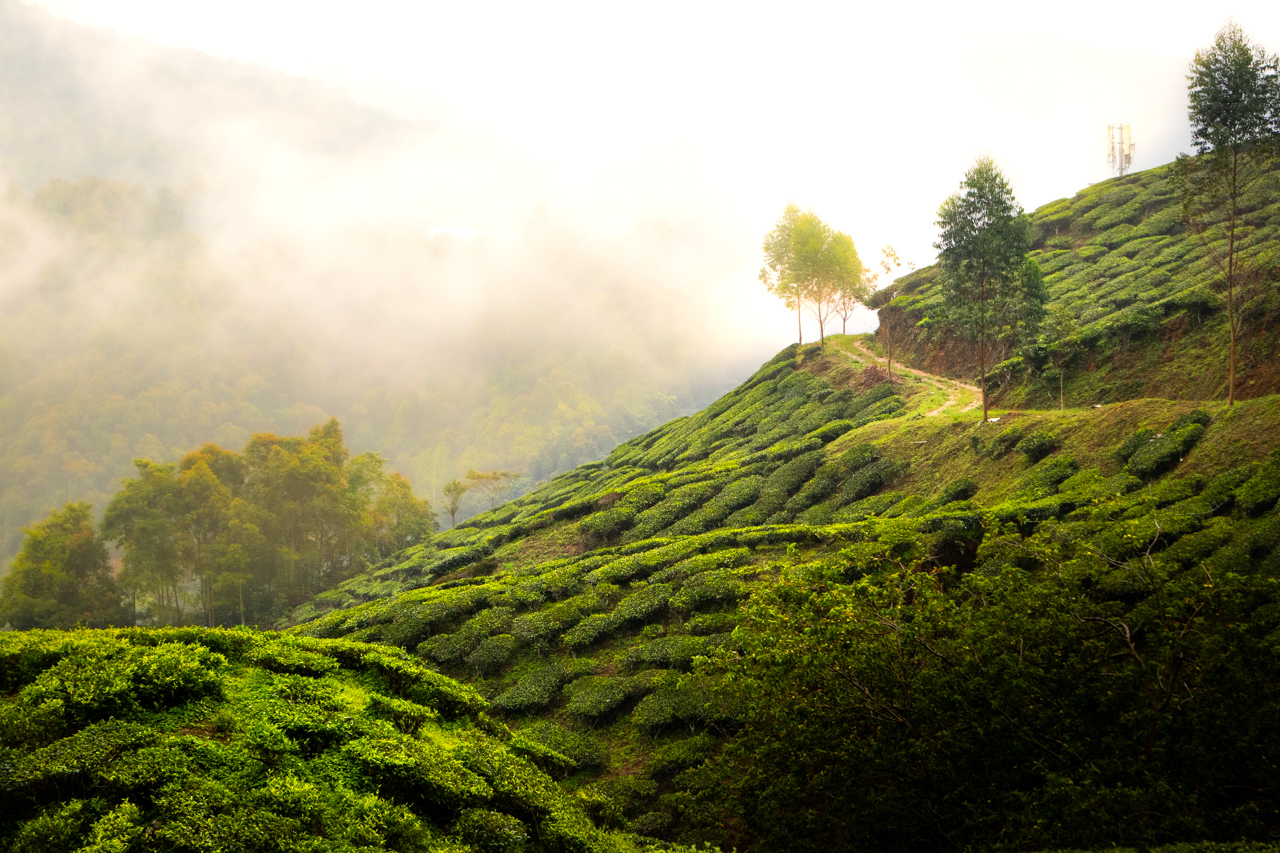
[710,588]
[584,750]
[1131,445]
[599,695]
[958,490]
[1262,490]
[1038,445]
[1163,452]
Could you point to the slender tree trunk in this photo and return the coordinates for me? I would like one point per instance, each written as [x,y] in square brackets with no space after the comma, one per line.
[241,604]
[1231,274]
[888,345]
[982,344]
[1062,406]
[799,324]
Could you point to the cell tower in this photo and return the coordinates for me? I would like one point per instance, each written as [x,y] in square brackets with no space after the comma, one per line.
[1119,148]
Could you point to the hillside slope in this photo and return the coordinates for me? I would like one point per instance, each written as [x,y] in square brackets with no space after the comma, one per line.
[1142,291]
[191,739]
[631,613]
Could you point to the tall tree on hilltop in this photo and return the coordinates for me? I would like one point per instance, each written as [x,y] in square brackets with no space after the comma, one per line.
[1234,94]
[453,492]
[779,261]
[143,519]
[62,576]
[809,263]
[982,249]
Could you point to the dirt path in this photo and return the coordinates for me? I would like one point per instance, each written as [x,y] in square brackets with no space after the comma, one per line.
[955,391]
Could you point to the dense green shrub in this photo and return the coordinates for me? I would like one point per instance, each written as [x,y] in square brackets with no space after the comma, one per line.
[599,695]
[742,492]
[1134,443]
[1163,452]
[285,657]
[676,652]
[1006,440]
[704,624]
[114,679]
[543,624]
[958,490]
[727,558]
[492,653]
[1054,472]
[680,755]
[1220,493]
[590,630]
[534,690]
[675,506]
[870,479]
[1038,445]
[685,699]
[585,750]
[409,679]
[710,588]
[418,772]
[858,457]
[643,605]
[491,832]
[1263,489]
[407,716]
[1195,416]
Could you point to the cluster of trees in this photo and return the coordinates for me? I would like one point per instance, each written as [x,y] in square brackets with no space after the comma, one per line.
[809,265]
[222,537]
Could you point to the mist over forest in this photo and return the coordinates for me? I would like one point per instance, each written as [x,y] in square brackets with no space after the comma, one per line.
[197,250]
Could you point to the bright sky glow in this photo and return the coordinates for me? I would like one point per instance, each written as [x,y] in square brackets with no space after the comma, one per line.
[727,111]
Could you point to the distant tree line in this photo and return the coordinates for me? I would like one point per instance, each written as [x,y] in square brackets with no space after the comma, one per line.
[221,537]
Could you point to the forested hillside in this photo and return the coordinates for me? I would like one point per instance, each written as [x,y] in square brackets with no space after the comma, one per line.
[1143,293]
[837,610]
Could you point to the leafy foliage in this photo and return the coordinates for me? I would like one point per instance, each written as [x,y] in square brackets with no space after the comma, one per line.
[174,742]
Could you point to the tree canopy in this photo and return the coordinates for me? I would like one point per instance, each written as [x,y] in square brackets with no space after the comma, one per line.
[1234,109]
[809,264]
[982,249]
[62,576]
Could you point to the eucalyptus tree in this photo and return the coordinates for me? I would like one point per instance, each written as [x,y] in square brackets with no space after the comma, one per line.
[807,263]
[982,250]
[1234,108]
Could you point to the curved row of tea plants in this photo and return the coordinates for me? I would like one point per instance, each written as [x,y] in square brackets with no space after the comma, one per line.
[210,740]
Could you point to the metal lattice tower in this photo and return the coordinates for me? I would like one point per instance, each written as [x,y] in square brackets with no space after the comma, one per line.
[1119,148]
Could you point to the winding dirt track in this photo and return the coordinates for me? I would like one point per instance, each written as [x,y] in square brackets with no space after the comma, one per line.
[955,391]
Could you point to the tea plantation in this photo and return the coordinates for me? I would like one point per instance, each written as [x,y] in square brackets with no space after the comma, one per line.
[198,739]
[1143,291]
[810,617]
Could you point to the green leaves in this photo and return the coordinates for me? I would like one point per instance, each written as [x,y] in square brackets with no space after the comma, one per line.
[1233,93]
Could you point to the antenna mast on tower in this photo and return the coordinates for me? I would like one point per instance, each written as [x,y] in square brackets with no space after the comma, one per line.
[1119,148]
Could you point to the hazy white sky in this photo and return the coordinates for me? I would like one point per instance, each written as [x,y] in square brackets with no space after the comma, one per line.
[715,115]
